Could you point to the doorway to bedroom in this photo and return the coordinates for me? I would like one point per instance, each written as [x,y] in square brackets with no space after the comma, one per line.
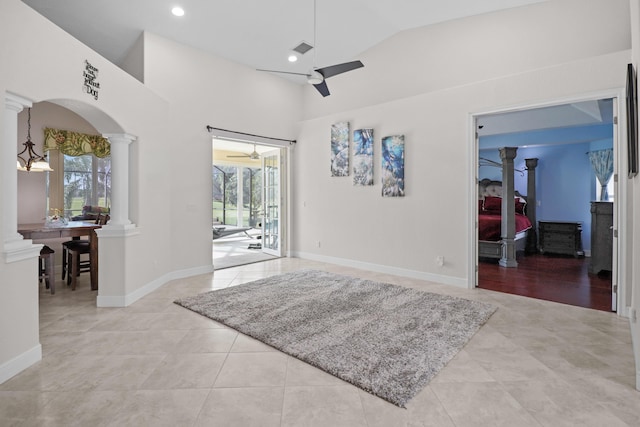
[247,206]
[563,162]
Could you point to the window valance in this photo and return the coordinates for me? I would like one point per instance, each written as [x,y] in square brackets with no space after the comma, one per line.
[75,143]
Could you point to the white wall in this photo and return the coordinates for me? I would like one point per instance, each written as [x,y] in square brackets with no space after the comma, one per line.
[40,62]
[541,52]
[205,90]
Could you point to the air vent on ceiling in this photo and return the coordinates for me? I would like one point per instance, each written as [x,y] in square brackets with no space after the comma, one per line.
[302,48]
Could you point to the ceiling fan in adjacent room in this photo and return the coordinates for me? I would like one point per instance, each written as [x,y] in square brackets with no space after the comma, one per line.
[317,76]
[253,155]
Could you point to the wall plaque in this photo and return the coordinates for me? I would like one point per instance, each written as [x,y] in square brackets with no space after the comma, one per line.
[90,74]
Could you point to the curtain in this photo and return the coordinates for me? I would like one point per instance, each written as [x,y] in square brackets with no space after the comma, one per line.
[76,144]
[602,163]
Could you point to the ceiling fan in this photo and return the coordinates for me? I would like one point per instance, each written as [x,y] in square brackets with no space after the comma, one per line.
[253,155]
[317,76]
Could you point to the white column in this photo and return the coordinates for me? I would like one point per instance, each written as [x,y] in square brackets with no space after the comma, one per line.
[120,179]
[14,246]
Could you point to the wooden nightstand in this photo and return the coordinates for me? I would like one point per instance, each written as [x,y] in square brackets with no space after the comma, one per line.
[560,237]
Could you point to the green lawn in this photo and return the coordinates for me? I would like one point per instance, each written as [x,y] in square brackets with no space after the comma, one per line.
[231,214]
[77,203]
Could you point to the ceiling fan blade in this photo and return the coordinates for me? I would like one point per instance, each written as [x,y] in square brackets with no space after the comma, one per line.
[322,88]
[245,155]
[284,72]
[334,70]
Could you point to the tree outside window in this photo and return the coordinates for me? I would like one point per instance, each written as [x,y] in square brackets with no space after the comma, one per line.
[237,201]
[86,181]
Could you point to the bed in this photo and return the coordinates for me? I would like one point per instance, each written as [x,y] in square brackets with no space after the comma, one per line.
[506,218]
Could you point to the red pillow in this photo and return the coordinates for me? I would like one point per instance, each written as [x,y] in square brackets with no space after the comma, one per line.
[492,204]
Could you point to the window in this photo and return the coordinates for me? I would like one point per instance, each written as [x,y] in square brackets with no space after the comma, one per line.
[225,195]
[252,196]
[86,181]
[610,189]
[237,201]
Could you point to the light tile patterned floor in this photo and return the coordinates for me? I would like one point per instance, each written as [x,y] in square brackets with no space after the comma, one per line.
[535,363]
[234,250]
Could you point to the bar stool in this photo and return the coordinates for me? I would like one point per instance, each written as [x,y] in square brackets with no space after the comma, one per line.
[74,249]
[46,268]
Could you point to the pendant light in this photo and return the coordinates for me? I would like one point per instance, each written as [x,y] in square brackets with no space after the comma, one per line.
[34,162]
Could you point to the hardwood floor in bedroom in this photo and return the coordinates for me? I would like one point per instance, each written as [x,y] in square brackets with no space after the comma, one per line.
[552,278]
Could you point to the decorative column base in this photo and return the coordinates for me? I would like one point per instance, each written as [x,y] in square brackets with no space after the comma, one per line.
[508,254]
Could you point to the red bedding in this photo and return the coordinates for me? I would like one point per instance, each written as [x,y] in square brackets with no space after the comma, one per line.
[489,225]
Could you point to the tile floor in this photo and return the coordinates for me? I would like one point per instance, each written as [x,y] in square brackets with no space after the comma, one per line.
[535,363]
[234,250]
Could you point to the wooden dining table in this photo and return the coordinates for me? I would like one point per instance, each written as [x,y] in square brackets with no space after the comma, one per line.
[71,229]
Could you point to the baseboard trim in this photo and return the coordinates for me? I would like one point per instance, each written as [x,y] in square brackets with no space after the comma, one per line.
[126,300]
[19,363]
[403,272]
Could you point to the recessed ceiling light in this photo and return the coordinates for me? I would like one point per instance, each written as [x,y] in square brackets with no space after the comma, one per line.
[177,11]
[292,57]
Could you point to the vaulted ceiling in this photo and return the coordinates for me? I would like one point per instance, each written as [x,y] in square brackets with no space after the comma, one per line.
[261,34]
[257,33]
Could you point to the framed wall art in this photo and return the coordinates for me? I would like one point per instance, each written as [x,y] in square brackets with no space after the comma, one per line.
[393,166]
[363,157]
[340,149]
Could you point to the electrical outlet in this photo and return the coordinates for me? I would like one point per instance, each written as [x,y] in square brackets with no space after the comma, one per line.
[440,260]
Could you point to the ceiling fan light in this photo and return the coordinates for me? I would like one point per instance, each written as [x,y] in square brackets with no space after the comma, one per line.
[315,78]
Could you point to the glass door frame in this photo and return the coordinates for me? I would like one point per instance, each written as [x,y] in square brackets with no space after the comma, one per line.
[272,202]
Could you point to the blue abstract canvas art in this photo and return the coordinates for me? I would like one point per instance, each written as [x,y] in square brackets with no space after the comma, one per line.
[340,149]
[393,166]
[363,157]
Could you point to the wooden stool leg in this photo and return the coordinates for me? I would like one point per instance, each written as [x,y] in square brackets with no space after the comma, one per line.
[69,265]
[50,272]
[64,261]
[74,257]
[41,271]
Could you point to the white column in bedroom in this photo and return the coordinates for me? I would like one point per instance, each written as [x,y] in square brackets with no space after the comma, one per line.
[120,179]
[508,234]
[15,248]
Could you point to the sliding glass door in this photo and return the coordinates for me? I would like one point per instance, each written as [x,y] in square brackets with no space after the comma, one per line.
[271,202]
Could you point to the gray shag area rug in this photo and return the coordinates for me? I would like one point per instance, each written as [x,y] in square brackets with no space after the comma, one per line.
[386,339]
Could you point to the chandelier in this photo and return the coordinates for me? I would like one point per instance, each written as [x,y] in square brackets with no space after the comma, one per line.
[34,162]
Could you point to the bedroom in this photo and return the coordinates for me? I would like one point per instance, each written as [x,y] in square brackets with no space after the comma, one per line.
[561,138]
